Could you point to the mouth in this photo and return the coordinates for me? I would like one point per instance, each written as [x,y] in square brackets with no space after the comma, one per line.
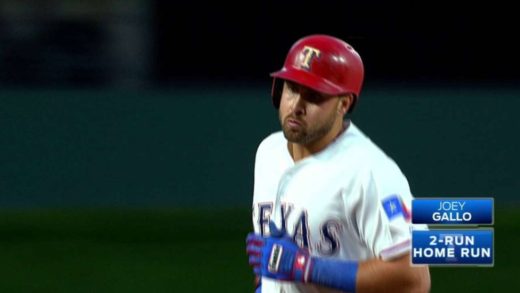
[291,122]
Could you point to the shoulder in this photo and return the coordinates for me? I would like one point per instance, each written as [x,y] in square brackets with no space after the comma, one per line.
[271,142]
[358,148]
[371,158]
[270,151]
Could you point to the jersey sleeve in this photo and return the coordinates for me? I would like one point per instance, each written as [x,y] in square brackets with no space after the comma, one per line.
[383,214]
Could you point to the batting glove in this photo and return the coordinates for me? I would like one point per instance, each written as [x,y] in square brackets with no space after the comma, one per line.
[278,257]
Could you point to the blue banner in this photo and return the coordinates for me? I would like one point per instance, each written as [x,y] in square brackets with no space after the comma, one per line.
[453,247]
[452,211]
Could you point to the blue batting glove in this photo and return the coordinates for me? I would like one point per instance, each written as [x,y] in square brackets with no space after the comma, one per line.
[278,257]
[254,250]
[255,243]
[282,259]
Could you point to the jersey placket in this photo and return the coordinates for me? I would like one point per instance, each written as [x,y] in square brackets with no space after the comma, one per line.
[283,184]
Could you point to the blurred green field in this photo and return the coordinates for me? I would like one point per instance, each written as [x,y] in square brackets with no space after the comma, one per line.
[178,250]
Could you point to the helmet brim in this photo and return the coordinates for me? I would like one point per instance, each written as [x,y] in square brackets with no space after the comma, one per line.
[309,80]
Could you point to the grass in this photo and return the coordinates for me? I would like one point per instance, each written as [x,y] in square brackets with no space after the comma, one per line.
[174,250]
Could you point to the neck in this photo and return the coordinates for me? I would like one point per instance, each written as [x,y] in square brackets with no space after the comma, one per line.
[300,152]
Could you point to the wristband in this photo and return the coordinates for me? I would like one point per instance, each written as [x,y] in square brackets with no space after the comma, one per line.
[334,273]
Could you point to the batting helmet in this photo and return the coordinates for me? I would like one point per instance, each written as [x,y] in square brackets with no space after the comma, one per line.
[323,63]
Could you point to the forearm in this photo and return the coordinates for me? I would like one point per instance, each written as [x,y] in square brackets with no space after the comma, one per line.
[371,276]
[392,276]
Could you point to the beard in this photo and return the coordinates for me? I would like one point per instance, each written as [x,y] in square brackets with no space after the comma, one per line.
[305,134]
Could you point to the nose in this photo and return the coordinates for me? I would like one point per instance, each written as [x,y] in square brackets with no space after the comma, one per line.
[298,105]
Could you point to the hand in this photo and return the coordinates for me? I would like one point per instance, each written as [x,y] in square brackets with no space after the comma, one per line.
[278,257]
[258,284]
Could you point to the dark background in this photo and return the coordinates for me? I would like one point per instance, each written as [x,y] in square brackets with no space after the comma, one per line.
[138,102]
[128,130]
[398,40]
[160,43]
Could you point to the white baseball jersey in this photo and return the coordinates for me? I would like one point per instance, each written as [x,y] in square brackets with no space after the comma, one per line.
[350,201]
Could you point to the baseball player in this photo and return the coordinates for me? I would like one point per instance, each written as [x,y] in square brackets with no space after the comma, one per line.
[330,208]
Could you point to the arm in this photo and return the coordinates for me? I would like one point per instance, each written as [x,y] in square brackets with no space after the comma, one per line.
[278,257]
[395,275]
[373,275]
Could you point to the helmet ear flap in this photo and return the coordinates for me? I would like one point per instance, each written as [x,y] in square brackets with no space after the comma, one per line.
[276,92]
[354,101]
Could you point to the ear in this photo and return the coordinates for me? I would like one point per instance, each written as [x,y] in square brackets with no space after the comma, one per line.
[345,102]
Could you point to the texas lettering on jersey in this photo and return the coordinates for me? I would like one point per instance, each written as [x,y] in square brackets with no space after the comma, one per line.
[329,238]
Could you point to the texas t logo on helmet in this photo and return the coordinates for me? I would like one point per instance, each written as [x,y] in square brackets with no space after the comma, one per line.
[306,56]
[322,63]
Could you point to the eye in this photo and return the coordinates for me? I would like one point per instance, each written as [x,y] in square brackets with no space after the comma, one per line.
[315,98]
[292,86]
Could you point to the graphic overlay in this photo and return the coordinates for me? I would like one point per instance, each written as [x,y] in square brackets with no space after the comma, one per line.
[450,246]
[452,211]
[453,247]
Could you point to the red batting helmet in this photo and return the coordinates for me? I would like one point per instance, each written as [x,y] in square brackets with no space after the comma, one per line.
[323,63]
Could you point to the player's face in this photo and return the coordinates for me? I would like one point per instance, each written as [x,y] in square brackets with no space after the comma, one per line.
[306,115]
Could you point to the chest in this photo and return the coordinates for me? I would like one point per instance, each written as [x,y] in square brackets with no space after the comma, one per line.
[320,189]
[314,203]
